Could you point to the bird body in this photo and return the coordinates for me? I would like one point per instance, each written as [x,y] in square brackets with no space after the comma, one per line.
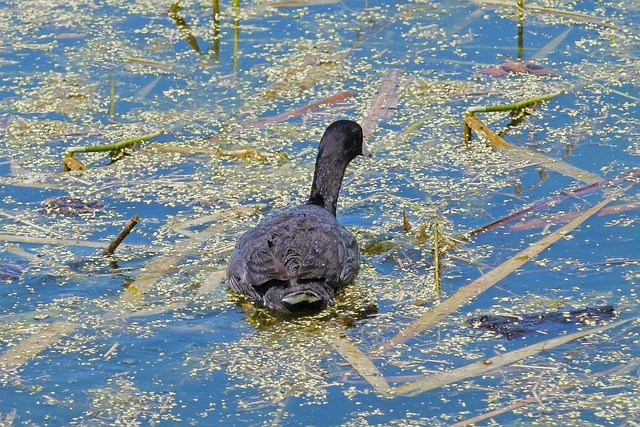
[300,256]
[297,260]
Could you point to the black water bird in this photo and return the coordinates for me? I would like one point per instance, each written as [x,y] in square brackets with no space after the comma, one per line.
[297,260]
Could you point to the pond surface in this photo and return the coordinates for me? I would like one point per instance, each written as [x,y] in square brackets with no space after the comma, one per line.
[151,336]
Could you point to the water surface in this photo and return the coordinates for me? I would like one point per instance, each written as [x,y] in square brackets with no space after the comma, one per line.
[150,336]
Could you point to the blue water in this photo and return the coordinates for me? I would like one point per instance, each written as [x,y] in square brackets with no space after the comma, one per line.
[185,351]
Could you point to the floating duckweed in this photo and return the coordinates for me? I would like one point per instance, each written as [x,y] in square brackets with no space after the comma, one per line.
[156,336]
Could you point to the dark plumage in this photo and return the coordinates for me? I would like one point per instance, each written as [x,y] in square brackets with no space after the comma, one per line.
[296,261]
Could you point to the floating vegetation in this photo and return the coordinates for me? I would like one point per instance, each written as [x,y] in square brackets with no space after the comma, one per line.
[122,403]
[362,364]
[507,67]
[513,326]
[538,215]
[70,206]
[114,149]
[517,106]
[475,288]
[12,269]
[528,155]
[488,365]
[377,247]
[29,348]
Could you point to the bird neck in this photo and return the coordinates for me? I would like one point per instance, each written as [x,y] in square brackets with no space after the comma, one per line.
[327,180]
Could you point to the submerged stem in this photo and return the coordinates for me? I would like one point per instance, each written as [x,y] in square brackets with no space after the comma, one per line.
[436,256]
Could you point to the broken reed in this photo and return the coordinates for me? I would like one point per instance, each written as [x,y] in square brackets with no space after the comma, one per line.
[471,291]
[71,163]
[216,9]
[507,107]
[121,235]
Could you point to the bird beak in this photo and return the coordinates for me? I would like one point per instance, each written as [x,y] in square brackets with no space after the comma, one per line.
[366,150]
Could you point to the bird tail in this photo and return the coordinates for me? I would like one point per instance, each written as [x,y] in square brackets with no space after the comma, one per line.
[299,295]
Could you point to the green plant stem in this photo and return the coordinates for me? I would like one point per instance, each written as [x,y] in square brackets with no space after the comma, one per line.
[112,147]
[236,34]
[466,134]
[216,9]
[520,26]
[436,257]
[515,106]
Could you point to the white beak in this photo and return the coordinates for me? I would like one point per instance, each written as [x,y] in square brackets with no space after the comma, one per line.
[366,150]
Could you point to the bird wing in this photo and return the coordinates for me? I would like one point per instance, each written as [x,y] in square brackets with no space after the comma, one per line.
[304,244]
[331,254]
